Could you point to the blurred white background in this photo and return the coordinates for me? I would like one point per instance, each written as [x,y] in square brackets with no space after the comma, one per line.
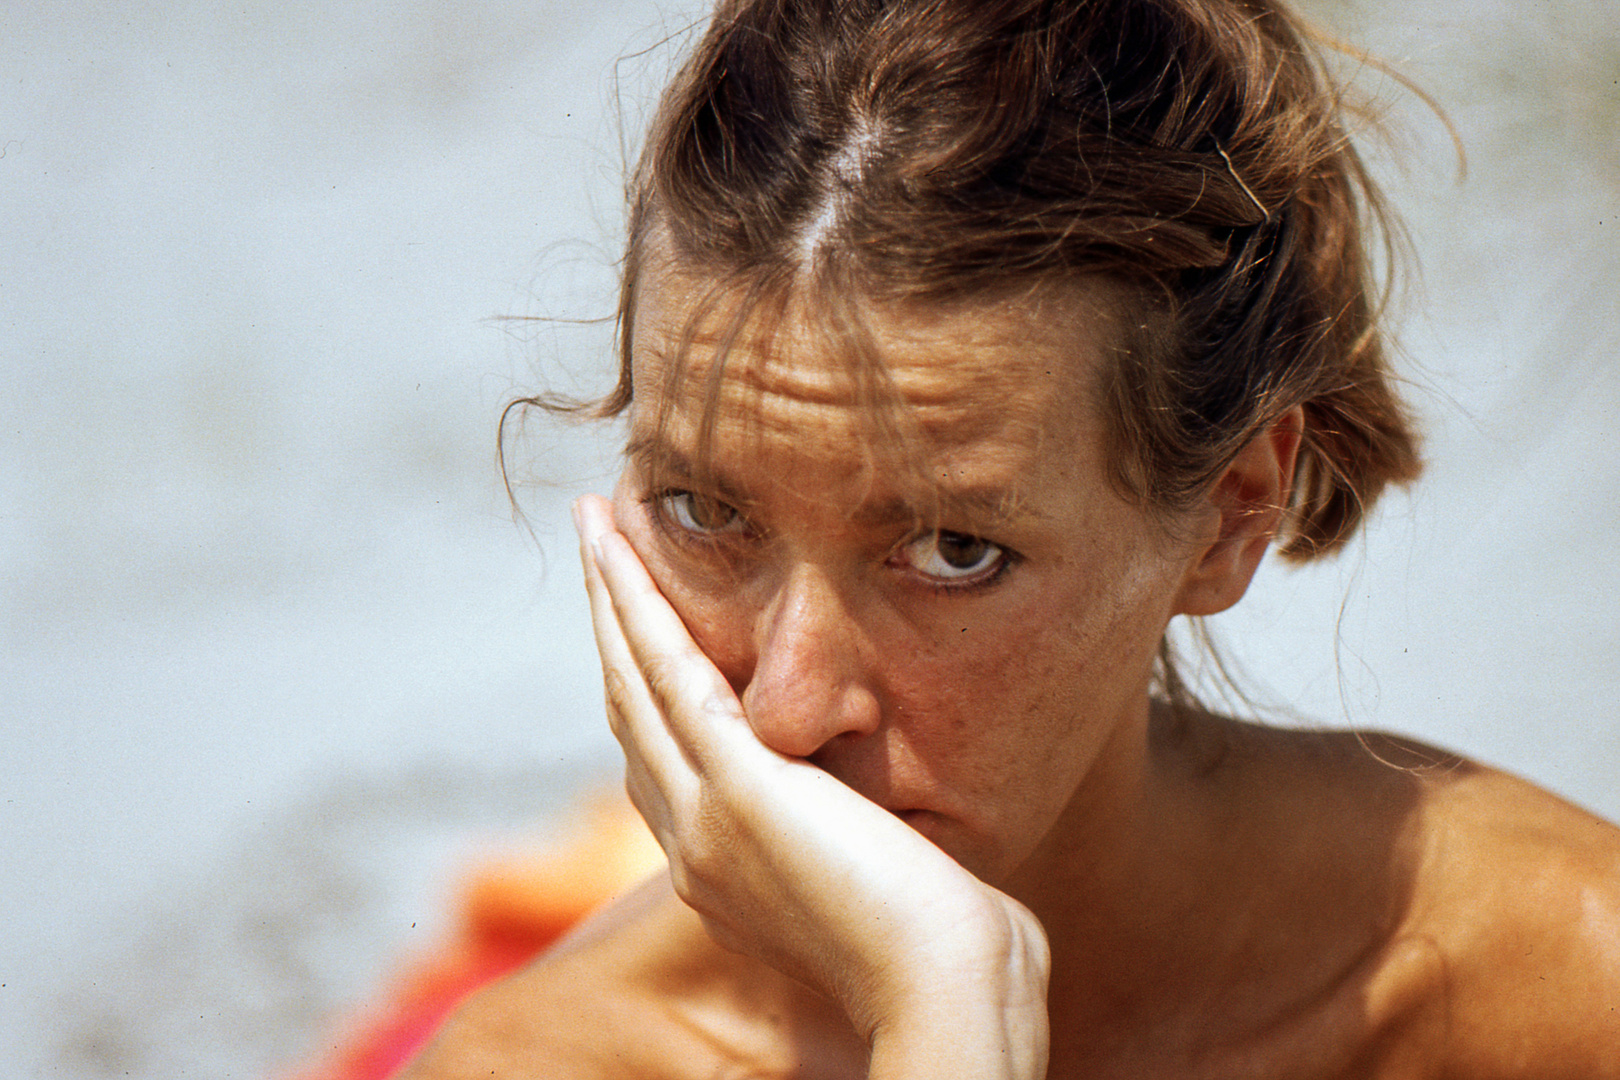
[274,659]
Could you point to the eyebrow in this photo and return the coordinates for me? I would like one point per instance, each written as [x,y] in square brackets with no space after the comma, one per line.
[663,463]
[983,507]
[986,506]
[655,454]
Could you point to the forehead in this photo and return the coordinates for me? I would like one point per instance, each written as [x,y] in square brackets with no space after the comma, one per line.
[985,390]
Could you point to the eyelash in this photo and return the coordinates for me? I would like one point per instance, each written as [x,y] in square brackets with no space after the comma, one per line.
[980,580]
[657,503]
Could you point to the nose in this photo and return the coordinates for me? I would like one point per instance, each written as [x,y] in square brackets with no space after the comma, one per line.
[810,680]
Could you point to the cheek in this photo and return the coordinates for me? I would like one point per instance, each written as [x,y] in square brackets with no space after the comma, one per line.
[1043,673]
[1000,680]
[716,613]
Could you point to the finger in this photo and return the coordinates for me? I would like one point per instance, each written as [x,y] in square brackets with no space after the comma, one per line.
[633,713]
[648,799]
[587,524]
[689,692]
[619,676]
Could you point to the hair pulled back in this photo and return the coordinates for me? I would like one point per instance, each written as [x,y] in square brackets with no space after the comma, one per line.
[1194,151]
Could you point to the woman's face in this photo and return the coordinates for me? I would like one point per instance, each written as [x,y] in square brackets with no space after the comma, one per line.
[966,642]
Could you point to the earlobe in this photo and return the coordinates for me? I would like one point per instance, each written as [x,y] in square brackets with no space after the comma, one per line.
[1244,509]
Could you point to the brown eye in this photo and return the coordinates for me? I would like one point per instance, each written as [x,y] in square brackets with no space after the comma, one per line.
[953,556]
[700,514]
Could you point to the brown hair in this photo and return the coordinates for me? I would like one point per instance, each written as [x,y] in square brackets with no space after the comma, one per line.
[1195,151]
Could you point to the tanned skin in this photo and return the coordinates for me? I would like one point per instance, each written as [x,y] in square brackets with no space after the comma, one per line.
[893,728]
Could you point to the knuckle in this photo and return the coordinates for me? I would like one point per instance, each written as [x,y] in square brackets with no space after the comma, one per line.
[694,847]
[666,680]
[707,834]
[681,879]
[616,723]
[616,688]
[635,789]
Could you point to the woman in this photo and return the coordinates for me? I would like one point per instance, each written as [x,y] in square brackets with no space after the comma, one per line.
[964,346]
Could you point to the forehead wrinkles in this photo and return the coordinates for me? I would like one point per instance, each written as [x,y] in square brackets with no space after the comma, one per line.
[914,401]
[939,377]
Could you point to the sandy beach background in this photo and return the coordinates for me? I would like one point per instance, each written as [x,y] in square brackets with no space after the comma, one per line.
[275,662]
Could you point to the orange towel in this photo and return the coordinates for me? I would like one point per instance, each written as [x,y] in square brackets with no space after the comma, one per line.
[510,909]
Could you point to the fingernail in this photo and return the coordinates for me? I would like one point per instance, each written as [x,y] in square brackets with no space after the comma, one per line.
[579,521]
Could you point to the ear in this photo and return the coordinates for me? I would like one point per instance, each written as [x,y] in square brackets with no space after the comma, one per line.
[1243,511]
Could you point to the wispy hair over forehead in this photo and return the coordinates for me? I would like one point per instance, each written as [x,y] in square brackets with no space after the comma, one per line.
[1196,151]
[733,334]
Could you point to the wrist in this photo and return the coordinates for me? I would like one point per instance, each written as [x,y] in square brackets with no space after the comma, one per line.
[973,1010]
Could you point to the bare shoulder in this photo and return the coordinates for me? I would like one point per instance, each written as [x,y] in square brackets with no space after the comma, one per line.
[637,991]
[1498,955]
[1519,893]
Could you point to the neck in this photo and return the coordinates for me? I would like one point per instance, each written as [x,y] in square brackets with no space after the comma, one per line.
[1146,899]
[1131,844]
[1208,889]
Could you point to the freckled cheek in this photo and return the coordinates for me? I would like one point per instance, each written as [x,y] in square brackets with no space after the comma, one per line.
[1050,674]
[964,687]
